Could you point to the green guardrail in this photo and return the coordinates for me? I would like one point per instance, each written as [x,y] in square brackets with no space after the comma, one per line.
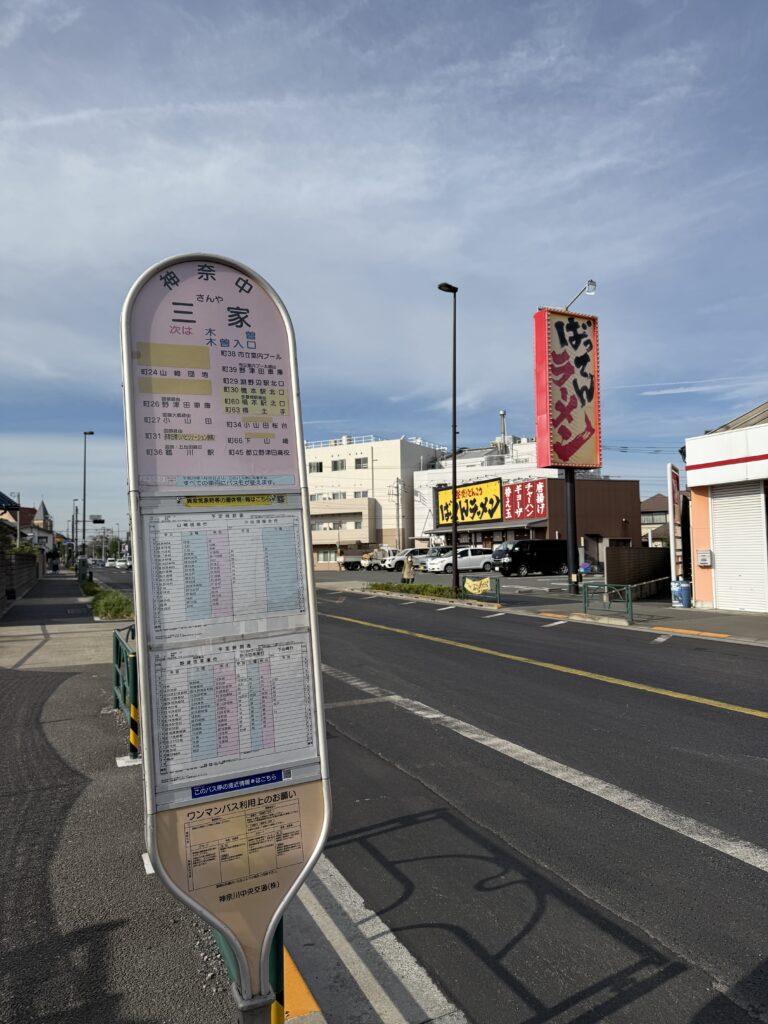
[608,599]
[125,683]
[482,588]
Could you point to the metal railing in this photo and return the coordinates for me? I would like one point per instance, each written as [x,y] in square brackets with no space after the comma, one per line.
[482,588]
[608,599]
[125,683]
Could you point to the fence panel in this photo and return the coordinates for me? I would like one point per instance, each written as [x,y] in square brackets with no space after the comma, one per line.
[125,683]
[608,599]
[482,588]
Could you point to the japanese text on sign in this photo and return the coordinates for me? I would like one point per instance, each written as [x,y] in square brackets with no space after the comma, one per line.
[476,503]
[211,382]
[526,499]
[567,389]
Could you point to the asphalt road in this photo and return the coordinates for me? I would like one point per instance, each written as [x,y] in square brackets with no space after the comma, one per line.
[115,579]
[551,845]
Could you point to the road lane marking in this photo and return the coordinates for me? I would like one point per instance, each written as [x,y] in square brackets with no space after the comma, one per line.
[495,615]
[147,864]
[549,625]
[299,1001]
[356,932]
[690,828]
[660,640]
[691,632]
[658,691]
[353,703]
[448,608]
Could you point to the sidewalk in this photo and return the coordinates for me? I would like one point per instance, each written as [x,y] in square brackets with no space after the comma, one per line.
[86,934]
[743,627]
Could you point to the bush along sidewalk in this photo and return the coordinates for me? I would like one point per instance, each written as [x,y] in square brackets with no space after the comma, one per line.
[107,604]
[422,589]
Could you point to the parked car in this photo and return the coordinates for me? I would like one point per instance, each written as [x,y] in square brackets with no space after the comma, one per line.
[120,563]
[468,559]
[397,561]
[110,563]
[526,556]
[421,557]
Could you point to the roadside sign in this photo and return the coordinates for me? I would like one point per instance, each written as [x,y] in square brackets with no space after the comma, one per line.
[675,522]
[567,389]
[235,767]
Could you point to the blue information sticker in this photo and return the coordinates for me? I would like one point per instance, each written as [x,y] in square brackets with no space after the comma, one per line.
[229,785]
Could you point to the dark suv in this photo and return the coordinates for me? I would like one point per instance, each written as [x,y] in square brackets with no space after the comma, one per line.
[526,556]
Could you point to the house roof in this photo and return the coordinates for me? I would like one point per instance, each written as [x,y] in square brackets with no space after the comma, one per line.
[7,503]
[26,513]
[747,419]
[656,503]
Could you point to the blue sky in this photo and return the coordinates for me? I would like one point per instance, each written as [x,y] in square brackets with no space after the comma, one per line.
[357,153]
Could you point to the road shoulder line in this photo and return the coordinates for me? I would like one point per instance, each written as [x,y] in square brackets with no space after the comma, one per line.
[706,835]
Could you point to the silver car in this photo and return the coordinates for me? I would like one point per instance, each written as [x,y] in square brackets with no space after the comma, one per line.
[469,559]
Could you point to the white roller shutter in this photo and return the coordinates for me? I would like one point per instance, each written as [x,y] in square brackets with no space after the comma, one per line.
[740,546]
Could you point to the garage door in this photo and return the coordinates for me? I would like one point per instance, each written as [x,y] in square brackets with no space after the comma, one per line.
[739,546]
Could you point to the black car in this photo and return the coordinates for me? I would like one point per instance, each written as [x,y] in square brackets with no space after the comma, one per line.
[526,556]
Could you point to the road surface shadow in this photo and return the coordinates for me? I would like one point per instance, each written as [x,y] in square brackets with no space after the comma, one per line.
[507,941]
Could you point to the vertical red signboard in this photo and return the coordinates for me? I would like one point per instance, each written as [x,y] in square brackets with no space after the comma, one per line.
[567,389]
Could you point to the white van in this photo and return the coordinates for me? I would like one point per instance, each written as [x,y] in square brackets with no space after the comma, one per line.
[469,559]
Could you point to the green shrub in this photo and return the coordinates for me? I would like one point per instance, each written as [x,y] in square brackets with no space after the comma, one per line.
[89,588]
[426,589]
[112,604]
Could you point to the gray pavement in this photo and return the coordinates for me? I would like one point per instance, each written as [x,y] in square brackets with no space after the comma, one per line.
[86,935]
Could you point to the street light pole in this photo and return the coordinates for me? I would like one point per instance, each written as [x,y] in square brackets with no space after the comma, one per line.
[452,290]
[86,435]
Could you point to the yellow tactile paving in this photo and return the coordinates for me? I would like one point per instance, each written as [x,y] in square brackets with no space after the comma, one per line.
[298,999]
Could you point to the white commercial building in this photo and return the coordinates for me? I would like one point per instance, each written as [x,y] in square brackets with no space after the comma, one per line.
[509,457]
[361,492]
[727,473]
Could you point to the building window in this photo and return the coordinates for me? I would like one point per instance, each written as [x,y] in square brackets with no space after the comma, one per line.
[338,495]
[361,463]
[315,467]
[361,494]
[315,497]
[326,556]
[338,464]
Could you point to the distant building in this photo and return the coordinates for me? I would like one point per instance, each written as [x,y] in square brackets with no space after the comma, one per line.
[533,500]
[654,521]
[361,492]
[727,473]
[35,524]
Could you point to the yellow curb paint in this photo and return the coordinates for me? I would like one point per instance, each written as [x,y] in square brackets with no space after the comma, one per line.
[549,615]
[298,999]
[690,632]
[564,669]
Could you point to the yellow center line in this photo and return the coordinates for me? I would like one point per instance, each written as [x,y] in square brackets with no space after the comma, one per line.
[690,632]
[564,669]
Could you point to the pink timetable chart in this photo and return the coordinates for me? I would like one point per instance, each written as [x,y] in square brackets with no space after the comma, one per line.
[225,573]
[232,706]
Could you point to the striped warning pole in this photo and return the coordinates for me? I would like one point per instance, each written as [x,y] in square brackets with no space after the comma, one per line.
[276,975]
[133,689]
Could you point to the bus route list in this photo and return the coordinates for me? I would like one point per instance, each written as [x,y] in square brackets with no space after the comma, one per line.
[232,706]
[220,568]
